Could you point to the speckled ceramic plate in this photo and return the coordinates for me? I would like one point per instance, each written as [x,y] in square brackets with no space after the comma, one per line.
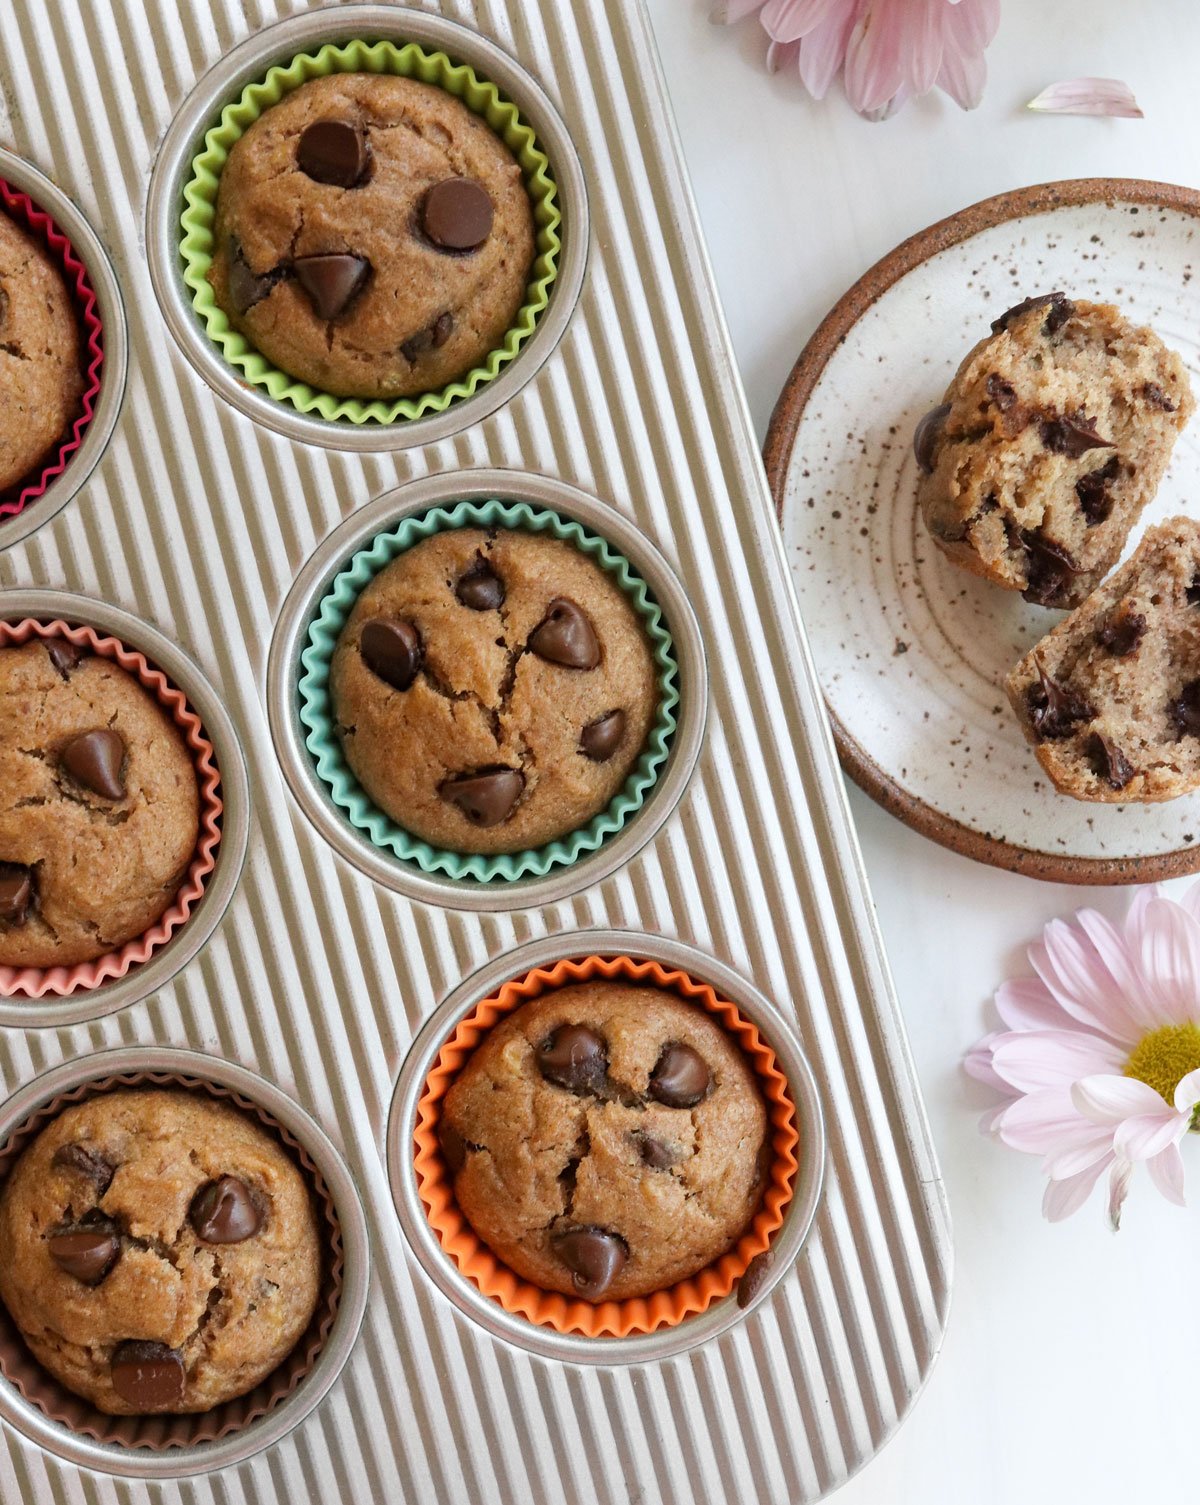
[912,652]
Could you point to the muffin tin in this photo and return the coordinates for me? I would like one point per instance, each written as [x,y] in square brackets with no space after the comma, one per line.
[217,515]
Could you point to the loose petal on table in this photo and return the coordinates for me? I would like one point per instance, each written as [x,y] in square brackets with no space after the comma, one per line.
[1088,96]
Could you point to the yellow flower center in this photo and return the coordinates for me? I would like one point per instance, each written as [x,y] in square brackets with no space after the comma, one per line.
[1164,1057]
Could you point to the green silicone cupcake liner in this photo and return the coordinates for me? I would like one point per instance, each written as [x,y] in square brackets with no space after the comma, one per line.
[326,749]
[409,61]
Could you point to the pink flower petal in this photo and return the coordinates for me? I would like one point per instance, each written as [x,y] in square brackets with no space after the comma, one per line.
[1120,960]
[1043,1122]
[1088,96]
[789,20]
[1191,901]
[823,50]
[1166,1171]
[924,44]
[1148,1134]
[989,1122]
[964,77]
[1170,959]
[1080,980]
[781,55]
[977,1063]
[1070,1159]
[1062,1198]
[874,57]
[1187,1092]
[1027,1003]
[972,24]
[1112,1099]
[1053,1058]
[1118,1187]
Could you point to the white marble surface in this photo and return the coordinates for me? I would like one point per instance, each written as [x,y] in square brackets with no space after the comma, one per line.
[1067,1373]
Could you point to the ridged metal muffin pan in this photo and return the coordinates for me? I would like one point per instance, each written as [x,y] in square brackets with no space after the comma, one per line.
[198,520]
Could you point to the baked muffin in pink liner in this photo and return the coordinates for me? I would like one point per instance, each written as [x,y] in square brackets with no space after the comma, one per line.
[62,980]
[24,213]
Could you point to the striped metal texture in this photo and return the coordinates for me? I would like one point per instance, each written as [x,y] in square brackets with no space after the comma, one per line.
[198,521]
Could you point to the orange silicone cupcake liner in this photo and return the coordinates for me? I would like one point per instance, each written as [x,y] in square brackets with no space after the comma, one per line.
[640,1314]
[39,982]
[160,1432]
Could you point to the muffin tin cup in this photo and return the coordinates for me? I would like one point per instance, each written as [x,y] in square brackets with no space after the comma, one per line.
[176,1447]
[36,205]
[223,105]
[430,874]
[55,996]
[647,1329]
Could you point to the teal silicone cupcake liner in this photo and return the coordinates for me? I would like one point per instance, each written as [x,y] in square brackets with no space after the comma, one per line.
[325,747]
[198,221]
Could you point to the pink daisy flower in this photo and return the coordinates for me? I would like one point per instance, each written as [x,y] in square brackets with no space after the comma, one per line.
[1099,1063]
[886,50]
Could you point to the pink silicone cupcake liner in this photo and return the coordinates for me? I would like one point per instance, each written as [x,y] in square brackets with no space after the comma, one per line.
[38,982]
[21,208]
[159,1433]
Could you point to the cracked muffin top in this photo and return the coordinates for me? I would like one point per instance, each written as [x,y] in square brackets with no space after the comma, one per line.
[606,1140]
[159,1251]
[374,237]
[41,381]
[99,808]
[492,690]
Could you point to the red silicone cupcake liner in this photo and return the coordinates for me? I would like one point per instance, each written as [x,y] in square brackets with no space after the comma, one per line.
[635,1314]
[21,208]
[38,982]
[159,1433]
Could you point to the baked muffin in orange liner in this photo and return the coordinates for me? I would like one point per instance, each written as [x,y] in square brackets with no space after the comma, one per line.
[641,1314]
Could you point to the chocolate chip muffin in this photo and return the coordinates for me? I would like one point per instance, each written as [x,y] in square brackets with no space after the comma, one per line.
[374,238]
[606,1140]
[99,807]
[492,690]
[1110,699]
[41,381]
[1052,437]
[159,1251]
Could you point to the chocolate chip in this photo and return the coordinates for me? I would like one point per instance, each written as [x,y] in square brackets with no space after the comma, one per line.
[1157,398]
[16,893]
[1054,709]
[333,281]
[85,1162]
[681,1077]
[87,1251]
[479,587]
[566,636]
[601,738]
[574,1057]
[392,650]
[457,214]
[1095,500]
[3,305]
[594,1257]
[1109,762]
[1072,434]
[655,1152]
[453,1147]
[95,759]
[246,288]
[752,1281]
[1048,570]
[1192,592]
[1185,712]
[224,1212]
[64,655]
[443,328]
[1059,309]
[148,1376]
[333,151]
[1002,392]
[1122,633]
[486,798]
[926,434]
[417,344]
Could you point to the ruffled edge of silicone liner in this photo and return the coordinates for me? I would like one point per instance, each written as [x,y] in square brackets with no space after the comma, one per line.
[323,744]
[159,1433]
[198,221]
[39,982]
[21,207]
[640,1314]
